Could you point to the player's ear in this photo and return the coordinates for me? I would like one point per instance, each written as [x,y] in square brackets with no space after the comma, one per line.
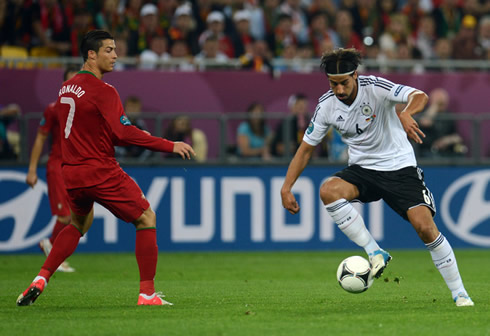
[92,54]
[354,75]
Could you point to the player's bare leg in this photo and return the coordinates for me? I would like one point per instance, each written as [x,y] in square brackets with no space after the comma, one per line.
[63,247]
[146,251]
[441,251]
[336,194]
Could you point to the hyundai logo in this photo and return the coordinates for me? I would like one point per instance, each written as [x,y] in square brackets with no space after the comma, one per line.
[474,210]
[22,209]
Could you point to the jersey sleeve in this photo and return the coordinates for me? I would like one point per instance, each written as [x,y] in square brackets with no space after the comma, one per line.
[112,110]
[318,126]
[46,123]
[394,92]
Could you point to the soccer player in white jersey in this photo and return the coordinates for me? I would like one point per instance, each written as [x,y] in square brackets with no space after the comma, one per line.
[382,162]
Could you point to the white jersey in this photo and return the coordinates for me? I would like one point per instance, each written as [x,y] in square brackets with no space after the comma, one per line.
[369,126]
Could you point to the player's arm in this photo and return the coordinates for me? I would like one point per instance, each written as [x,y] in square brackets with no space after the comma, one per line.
[36,152]
[296,167]
[113,112]
[416,103]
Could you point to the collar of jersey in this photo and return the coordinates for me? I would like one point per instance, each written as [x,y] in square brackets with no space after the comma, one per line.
[87,72]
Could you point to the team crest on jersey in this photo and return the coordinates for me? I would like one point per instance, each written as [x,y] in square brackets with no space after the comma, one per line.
[310,128]
[42,122]
[367,111]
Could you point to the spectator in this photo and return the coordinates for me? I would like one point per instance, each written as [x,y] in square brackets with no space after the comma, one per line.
[16,26]
[484,37]
[344,27]
[133,109]
[180,128]
[298,17]
[257,19]
[82,23]
[396,34]
[298,107]
[109,18]
[166,9]
[258,58]
[326,6]
[242,39]
[271,16]
[282,36]
[8,114]
[52,24]
[183,28]
[216,26]
[320,31]
[415,14]
[211,52]
[448,18]
[441,135]
[148,29]
[180,51]
[132,15]
[254,135]
[465,44]
[122,53]
[157,53]
[426,37]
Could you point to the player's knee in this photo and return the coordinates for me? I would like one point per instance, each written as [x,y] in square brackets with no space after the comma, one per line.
[64,219]
[426,230]
[147,219]
[330,191]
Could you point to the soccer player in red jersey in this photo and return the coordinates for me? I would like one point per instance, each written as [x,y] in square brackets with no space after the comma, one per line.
[58,198]
[92,121]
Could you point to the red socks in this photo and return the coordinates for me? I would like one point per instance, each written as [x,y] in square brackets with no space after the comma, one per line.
[65,244]
[147,255]
[56,230]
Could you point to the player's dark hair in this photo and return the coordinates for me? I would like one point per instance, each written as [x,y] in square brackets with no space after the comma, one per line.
[70,68]
[340,61]
[93,41]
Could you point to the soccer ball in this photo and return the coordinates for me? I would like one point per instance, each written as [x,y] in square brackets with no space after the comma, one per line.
[353,274]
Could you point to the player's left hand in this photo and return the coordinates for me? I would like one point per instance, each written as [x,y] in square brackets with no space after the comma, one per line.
[183,150]
[411,127]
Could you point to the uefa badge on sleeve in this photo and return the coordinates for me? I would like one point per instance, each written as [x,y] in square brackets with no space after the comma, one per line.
[310,128]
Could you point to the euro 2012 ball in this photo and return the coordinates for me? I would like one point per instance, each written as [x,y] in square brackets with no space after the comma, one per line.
[353,274]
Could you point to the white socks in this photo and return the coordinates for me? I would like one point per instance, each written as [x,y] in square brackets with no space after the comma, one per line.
[352,224]
[445,261]
[40,277]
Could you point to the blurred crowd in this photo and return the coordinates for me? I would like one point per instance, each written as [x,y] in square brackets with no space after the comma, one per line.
[253,31]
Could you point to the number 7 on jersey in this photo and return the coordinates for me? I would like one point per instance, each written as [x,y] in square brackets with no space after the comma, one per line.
[71,114]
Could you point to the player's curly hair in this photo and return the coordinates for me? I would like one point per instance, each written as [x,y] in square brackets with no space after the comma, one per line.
[340,61]
[93,41]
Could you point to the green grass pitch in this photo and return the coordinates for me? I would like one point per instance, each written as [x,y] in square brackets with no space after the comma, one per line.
[245,293]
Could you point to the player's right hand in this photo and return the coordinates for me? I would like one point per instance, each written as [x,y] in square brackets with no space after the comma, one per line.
[289,202]
[31,179]
[183,150]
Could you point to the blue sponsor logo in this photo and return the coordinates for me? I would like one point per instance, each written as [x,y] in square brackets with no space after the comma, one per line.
[125,121]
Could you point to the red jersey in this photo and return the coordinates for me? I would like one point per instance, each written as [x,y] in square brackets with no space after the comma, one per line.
[50,125]
[92,121]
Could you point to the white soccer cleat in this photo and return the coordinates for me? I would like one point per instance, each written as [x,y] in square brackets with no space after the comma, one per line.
[379,260]
[156,299]
[463,300]
[65,268]
[46,246]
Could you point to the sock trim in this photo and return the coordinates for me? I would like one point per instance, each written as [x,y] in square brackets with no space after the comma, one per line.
[334,206]
[81,232]
[437,242]
[146,228]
